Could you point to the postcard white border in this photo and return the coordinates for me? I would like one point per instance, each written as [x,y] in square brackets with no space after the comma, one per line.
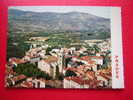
[116,46]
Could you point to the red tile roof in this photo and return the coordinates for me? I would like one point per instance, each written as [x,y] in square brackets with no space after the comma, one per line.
[81,81]
[17,61]
[51,59]
[27,84]
[105,76]
[20,77]
[97,57]
[86,58]
[90,74]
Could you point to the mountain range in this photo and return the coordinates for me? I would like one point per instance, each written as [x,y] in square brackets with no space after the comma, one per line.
[84,23]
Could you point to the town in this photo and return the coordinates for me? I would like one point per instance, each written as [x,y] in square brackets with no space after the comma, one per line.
[80,64]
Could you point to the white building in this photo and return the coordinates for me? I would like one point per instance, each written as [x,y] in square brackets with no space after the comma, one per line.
[49,65]
[105,79]
[34,83]
[98,59]
[39,83]
[61,61]
[76,82]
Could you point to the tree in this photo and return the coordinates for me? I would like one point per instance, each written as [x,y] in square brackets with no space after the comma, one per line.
[16,46]
[30,70]
[70,73]
[81,55]
[90,49]
[67,60]
[48,50]
[61,77]
[96,48]
[106,61]
[57,72]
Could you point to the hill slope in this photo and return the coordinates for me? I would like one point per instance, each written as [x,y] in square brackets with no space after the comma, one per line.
[84,23]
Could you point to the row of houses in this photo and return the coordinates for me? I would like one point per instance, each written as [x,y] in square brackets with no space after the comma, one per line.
[86,67]
[87,79]
[25,82]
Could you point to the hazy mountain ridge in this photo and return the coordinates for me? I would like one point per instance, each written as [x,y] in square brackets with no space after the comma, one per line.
[51,21]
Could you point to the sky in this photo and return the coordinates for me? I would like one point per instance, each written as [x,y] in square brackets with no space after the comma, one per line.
[98,11]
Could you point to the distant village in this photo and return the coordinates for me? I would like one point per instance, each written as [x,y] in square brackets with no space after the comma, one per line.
[67,67]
